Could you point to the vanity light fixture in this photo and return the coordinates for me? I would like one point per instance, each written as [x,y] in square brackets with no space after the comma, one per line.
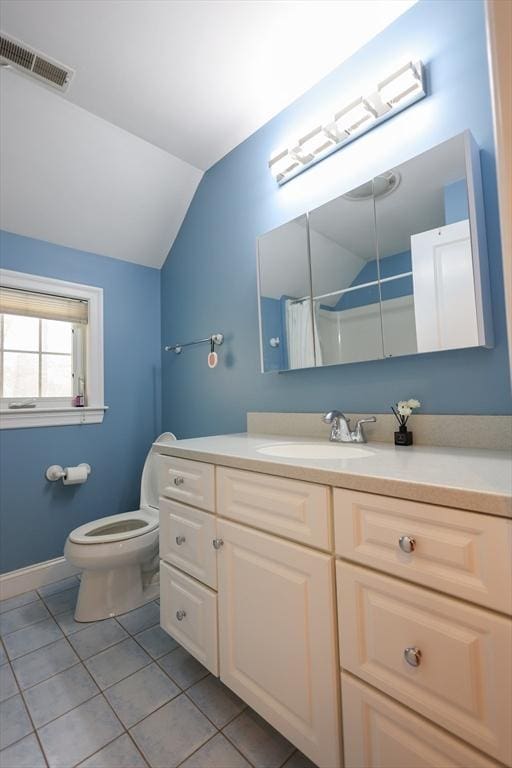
[282,164]
[402,85]
[357,116]
[393,94]
[314,143]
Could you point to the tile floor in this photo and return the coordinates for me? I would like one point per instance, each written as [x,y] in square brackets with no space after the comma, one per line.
[118,693]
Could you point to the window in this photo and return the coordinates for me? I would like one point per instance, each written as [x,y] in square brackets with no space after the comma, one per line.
[41,347]
[51,351]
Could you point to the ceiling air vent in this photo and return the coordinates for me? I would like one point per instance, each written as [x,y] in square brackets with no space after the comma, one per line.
[28,61]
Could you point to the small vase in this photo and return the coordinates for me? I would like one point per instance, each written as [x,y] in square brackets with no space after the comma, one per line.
[403,436]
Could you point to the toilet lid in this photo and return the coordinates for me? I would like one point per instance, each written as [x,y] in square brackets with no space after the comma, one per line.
[114,528]
[149,480]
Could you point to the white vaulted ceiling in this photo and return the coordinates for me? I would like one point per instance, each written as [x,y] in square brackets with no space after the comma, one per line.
[163,89]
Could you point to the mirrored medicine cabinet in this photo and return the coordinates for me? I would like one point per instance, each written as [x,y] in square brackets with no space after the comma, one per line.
[397,266]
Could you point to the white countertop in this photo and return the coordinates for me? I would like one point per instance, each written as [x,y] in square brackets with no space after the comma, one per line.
[473,479]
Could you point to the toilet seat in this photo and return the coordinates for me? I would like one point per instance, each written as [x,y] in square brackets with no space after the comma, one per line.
[118,554]
[107,530]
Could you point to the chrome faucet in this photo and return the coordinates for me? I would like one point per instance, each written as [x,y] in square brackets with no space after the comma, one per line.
[340,428]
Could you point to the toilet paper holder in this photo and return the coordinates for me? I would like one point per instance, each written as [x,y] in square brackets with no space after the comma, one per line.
[56,472]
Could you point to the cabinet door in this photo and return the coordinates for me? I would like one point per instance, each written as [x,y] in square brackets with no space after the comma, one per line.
[277,636]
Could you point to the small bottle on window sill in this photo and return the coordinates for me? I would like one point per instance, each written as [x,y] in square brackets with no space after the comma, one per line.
[78,401]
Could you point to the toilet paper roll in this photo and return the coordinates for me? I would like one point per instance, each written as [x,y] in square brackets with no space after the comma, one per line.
[76,475]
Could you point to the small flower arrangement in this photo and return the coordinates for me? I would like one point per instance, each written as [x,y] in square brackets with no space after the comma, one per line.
[402,410]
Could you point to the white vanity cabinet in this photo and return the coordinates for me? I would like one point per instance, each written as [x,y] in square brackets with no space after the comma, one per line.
[310,602]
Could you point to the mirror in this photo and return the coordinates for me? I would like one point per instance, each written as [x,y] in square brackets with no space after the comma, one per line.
[425,255]
[397,266]
[344,274]
[286,321]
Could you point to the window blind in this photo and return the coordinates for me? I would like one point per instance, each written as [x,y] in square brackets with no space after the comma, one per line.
[32,304]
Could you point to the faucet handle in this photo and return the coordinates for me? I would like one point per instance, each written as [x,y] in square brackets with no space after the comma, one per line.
[366,420]
[359,435]
[330,416]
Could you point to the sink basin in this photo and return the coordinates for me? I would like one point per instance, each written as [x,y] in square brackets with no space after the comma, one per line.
[315,451]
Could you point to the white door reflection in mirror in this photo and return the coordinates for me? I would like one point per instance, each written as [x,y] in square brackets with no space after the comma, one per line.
[427,288]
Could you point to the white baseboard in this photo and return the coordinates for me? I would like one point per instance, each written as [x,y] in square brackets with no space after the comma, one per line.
[34,576]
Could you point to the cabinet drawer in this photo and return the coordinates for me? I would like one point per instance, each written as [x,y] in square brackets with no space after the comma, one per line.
[290,508]
[189,481]
[379,733]
[464,677]
[188,612]
[464,554]
[186,540]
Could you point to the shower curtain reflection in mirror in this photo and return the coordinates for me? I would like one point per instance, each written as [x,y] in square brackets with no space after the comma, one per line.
[299,335]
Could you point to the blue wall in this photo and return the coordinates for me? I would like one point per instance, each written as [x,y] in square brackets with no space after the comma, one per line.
[209,279]
[456,202]
[35,515]
[271,327]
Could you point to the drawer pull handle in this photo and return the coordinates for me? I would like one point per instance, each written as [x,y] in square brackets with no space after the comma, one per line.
[217,543]
[179,480]
[180,540]
[180,615]
[413,656]
[407,544]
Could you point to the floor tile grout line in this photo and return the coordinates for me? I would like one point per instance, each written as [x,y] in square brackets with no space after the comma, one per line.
[32,624]
[78,661]
[50,677]
[213,736]
[43,725]
[45,645]
[39,596]
[51,615]
[23,605]
[107,648]
[81,662]
[97,694]
[226,735]
[219,730]
[29,715]
[182,692]
[59,591]
[97,751]
[125,730]
[137,747]
[186,690]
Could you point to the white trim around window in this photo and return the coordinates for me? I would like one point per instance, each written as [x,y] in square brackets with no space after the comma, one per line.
[44,415]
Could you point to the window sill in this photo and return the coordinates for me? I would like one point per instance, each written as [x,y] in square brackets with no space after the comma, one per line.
[50,417]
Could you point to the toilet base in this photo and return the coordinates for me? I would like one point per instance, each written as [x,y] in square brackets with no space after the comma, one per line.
[107,593]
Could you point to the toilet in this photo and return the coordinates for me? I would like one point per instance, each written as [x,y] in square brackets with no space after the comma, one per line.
[118,555]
